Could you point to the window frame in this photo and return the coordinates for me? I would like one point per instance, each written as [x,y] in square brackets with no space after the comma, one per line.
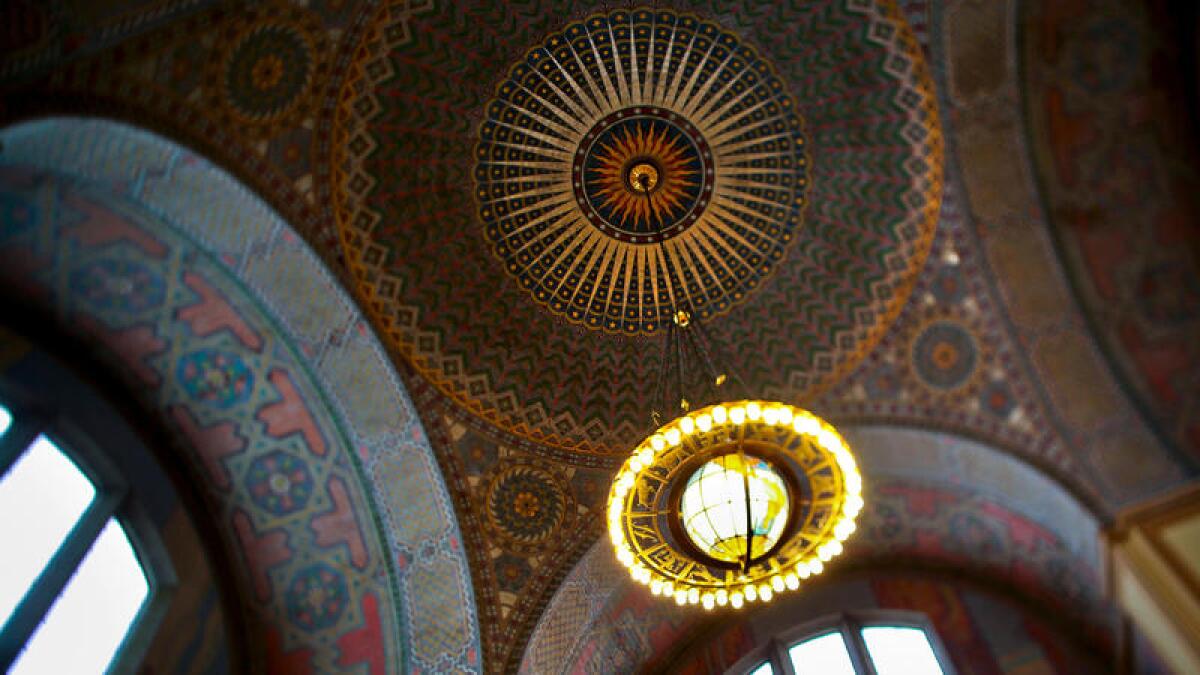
[113,499]
[850,625]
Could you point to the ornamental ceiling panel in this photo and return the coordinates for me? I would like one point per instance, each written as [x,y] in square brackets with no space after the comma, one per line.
[513,195]
[1116,156]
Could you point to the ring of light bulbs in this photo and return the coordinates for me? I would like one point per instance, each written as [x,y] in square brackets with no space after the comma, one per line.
[653,559]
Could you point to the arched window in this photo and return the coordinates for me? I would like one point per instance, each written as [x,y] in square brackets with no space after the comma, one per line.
[72,582]
[861,643]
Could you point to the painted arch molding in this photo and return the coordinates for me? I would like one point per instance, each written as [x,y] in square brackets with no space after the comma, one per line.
[285,408]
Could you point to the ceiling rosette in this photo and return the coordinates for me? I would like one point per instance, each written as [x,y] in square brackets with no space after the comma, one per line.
[514,193]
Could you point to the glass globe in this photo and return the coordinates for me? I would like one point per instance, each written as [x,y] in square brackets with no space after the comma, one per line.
[713,507]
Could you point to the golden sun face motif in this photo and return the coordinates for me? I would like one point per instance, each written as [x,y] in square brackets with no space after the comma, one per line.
[632,144]
[643,176]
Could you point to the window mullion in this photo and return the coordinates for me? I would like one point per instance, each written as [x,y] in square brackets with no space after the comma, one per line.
[41,595]
[20,434]
[781,663]
[852,631]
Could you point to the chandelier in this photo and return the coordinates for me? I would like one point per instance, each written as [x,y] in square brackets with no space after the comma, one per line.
[733,502]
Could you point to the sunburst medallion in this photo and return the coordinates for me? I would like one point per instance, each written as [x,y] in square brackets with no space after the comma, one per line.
[631,142]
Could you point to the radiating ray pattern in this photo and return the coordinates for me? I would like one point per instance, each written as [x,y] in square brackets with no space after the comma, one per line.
[557,143]
[680,161]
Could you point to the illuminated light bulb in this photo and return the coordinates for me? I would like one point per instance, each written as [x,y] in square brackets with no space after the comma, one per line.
[765,593]
[753,411]
[646,455]
[687,425]
[785,415]
[722,597]
[673,437]
[853,483]
[750,592]
[844,529]
[846,461]
[829,440]
[735,599]
[656,586]
[791,581]
[806,425]
[816,566]
[737,415]
[693,595]
[777,583]
[771,416]
[681,597]
[720,415]
[804,570]
[853,505]
[635,464]
[658,442]
[705,422]
[668,588]
[708,601]
[824,553]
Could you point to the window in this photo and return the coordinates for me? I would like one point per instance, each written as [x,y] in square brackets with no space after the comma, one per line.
[71,582]
[867,643]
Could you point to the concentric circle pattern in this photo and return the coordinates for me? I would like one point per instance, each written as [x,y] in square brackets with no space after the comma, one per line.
[267,70]
[945,355]
[488,191]
[264,74]
[685,102]
[524,505]
[642,175]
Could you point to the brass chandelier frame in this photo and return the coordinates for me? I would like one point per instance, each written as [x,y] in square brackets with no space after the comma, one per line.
[643,512]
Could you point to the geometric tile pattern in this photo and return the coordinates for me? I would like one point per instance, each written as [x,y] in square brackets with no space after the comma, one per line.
[405,144]
[187,303]
[725,169]
[1118,168]
[1033,379]
[1089,428]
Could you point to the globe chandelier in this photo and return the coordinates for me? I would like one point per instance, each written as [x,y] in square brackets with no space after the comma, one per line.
[733,502]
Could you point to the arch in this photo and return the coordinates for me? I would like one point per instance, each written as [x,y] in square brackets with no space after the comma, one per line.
[992,162]
[284,406]
[935,501]
[1114,151]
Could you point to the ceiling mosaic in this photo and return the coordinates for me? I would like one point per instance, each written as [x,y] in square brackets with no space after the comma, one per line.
[767,165]
[633,129]
[1116,159]
[302,442]
[854,274]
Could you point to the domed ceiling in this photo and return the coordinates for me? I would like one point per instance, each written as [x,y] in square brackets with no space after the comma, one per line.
[491,212]
[505,187]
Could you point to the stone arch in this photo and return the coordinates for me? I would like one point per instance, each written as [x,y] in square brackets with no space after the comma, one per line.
[983,54]
[934,501]
[283,405]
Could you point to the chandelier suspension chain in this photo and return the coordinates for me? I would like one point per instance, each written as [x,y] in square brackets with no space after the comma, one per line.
[715,379]
[677,332]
